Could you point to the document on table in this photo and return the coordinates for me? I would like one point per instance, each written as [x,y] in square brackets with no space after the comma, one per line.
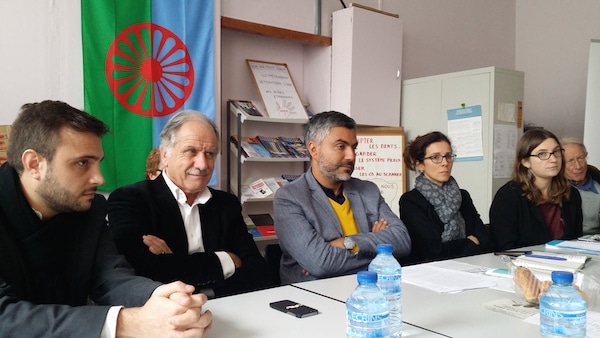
[443,280]
[592,320]
[575,245]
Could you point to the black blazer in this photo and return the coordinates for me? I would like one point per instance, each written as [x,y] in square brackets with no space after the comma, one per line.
[50,270]
[148,207]
[515,222]
[425,229]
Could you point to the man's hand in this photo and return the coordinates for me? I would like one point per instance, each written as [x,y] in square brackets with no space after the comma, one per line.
[156,245]
[236,260]
[473,239]
[171,311]
[339,242]
[379,225]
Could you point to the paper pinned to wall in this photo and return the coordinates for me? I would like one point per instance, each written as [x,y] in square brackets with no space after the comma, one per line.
[465,133]
[505,143]
[507,112]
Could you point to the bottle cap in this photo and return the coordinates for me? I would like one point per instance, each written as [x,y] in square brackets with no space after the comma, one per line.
[385,248]
[366,277]
[562,277]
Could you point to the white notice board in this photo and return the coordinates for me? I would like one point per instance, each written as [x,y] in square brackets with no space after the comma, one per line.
[379,160]
[277,90]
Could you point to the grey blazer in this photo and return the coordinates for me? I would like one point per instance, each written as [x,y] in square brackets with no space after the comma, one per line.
[305,222]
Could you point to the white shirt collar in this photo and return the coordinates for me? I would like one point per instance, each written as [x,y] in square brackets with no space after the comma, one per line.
[201,198]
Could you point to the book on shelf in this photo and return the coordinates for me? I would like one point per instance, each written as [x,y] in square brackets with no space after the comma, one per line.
[251,147]
[274,146]
[294,146]
[266,230]
[253,230]
[273,183]
[261,219]
[260,188]
[260,225]
[289,177]
[249,108]
[544,260]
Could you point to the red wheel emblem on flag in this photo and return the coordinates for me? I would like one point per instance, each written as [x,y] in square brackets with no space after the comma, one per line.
[149,70]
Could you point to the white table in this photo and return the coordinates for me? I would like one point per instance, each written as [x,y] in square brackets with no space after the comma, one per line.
[454,315]
[249,315]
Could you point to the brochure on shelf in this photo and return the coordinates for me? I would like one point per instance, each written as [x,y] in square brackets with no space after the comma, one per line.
[260,188]
[251,147]
[248,108]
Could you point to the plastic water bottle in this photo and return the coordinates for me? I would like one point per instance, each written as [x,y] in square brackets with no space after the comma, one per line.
[389,277]
[367,309]
[562,308]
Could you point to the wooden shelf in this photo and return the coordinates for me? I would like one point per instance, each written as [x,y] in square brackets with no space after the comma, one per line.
[274,32]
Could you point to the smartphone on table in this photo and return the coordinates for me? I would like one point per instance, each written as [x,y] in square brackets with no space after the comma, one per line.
[293,308]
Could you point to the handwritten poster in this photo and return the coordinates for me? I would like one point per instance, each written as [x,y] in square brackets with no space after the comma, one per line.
[277,90]
[379,160]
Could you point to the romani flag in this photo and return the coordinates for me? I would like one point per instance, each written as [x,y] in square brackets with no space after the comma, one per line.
[143,61]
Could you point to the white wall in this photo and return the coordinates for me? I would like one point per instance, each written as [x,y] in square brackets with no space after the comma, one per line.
[591,137]
[439,36]
[40,58]
[552,48]
[547,39]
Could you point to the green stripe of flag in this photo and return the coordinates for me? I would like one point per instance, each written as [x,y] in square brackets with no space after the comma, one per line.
[130,139]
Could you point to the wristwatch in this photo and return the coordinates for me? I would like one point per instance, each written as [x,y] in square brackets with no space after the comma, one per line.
[349,243]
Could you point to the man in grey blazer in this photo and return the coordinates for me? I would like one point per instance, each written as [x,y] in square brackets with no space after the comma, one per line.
[60,273]
[328,223]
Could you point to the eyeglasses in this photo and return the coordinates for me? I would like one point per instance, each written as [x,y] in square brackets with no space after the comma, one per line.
[581,160]
[544,155]
[437,158]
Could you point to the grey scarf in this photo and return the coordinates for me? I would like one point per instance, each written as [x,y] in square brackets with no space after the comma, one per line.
[446,201]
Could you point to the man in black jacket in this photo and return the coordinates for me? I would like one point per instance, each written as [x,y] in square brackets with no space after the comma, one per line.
[55,248]
[177,228]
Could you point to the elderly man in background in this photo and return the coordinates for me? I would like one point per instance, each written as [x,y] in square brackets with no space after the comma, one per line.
[586,178]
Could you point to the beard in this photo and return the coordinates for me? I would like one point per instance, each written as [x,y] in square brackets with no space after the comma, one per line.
[60,199]
[330,170]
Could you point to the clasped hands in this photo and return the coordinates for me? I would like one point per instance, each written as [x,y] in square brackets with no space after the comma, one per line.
[172,311]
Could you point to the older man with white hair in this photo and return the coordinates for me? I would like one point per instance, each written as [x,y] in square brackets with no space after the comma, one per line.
[586,178]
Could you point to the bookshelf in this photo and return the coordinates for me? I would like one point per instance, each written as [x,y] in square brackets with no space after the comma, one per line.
[308,57]
[274,32]
[236,160]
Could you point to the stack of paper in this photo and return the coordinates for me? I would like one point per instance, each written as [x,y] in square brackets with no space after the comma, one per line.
[575,245]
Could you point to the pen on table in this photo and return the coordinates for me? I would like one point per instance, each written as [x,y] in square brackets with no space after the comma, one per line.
[514,253]
[546,257]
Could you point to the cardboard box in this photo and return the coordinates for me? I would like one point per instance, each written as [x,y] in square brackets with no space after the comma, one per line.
[3,157]
[3,144]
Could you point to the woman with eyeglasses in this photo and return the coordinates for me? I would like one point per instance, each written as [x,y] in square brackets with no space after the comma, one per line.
[440,217]
[538,205]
